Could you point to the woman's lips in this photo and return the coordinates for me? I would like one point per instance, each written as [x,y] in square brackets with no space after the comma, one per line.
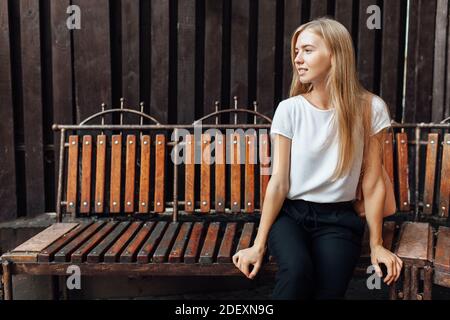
[302,70]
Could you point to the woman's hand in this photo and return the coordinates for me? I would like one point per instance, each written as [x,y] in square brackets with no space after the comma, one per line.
[244,258]
[394,264]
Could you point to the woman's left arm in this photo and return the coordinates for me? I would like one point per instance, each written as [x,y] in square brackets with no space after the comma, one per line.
[374,191]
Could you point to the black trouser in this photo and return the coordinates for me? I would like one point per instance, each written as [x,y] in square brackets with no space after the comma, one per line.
[316,247]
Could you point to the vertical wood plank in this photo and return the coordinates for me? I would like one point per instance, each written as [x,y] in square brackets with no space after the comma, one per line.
[391,64]
[235,173]
[439,61]
[366,48]
[205,176]
[265,81]
[344,13]
[7,176]
[32,105]
[100,174]
[160,33]
[292,20]
[388,155]
[186,61]
[130,54]
[264,167]
[213,54]
[220,179]
[240,17]
[430,172]
[72,174]
[86,174]
[130,173]
[318,9]
[403,171]
[250,160]
[160,152]
[189,185]
[145,175]
[115,181]
[92,57]
[61,70]
[444,190]
[418,98]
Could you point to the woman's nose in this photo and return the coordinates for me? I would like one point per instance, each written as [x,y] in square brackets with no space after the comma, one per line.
[298,58]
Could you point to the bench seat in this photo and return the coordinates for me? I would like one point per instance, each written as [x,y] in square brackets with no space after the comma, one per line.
[158,247]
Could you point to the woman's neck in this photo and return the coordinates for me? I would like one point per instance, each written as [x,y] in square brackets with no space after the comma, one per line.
[319,96]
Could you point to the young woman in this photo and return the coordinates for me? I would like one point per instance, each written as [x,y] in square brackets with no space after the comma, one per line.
[320,136]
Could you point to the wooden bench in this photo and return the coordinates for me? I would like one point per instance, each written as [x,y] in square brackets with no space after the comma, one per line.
[124,207]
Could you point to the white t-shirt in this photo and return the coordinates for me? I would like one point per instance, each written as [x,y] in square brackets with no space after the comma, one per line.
[314,154]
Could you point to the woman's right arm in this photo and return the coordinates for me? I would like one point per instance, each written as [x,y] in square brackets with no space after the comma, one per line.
[276,191]
[277,188]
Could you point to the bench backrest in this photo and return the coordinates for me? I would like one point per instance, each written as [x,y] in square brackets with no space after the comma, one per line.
[142,170]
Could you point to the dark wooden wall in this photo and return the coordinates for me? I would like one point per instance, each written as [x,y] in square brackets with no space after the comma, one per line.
[178,57]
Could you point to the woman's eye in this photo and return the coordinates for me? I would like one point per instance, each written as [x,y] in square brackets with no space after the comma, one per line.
[308,51]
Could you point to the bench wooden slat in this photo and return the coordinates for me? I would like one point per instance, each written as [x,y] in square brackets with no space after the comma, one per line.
[205,174]
[246,236]
[403,169]
[415,243]
[226,247]
[116,162]
[79,255]
[72,174]
[189,184]
[210,243]
[235,173]
[152,241]
[85,202]
[144,183]
[100,174]
[163,249]
[220,178]
[192,248]
[130,252]
[64,253]
[130,173]
[264,166]
[96,254]
[176,253]
[45,238]
[250,160]
[442,255]
[113,253]
[160,153]
[48,253]
[388,156]
[430,172]
[444,191]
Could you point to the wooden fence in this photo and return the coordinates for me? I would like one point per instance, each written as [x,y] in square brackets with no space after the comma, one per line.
[179,57]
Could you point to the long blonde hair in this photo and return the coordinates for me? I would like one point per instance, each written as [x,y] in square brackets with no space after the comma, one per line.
[350,99]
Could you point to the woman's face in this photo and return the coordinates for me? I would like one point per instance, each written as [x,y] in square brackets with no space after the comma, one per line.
[313,58]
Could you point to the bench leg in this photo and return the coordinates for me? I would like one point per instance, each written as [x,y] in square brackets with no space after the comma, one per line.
[427,282]
[7,280]
[415,277]
[406,283]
